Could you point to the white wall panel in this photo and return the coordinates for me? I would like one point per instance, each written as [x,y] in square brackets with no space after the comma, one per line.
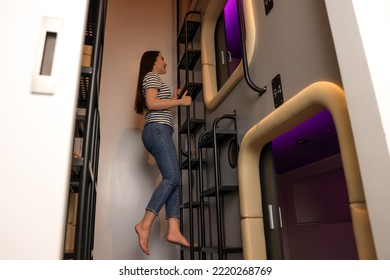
[360,31]
[37,129]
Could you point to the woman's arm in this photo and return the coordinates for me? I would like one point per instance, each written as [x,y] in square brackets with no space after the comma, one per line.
[154,103]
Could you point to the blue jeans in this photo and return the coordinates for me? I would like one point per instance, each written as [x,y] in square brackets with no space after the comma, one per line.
[157,139]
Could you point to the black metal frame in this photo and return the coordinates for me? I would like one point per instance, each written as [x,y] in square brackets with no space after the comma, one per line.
[88,99]
[215,139]
[191,125]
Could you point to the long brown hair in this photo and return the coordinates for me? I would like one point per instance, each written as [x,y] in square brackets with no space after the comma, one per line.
[146,66]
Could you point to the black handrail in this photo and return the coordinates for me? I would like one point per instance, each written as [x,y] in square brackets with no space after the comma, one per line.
[248,79]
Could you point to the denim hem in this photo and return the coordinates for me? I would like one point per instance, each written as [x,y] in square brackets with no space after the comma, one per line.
[174,216]
[151,210]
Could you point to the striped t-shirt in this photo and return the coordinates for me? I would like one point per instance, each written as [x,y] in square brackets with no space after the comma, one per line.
[152,80]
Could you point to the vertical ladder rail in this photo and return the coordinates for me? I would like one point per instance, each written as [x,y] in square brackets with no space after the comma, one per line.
[82,245]
[188,133]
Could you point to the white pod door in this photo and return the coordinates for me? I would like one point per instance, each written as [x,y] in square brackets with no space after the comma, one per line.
[40,72]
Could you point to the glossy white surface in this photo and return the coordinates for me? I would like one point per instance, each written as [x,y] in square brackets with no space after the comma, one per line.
[362,41]
[37,130]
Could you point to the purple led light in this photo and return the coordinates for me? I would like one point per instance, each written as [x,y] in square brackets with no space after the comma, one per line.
[232,28]
[311,141]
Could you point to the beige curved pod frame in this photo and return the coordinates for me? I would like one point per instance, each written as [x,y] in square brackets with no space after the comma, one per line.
[213,97]
[311,100]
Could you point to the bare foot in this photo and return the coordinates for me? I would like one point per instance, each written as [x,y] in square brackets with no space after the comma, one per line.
[143,237]
[178,239]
